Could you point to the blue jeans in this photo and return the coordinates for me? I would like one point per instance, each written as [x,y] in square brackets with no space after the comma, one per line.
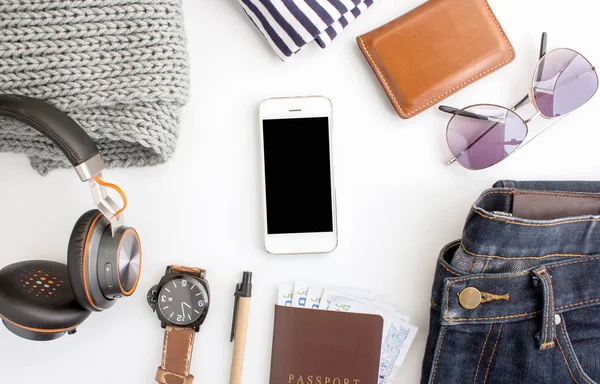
[517,299]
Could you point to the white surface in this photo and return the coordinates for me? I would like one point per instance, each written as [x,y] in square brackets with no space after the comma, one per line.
[398,204]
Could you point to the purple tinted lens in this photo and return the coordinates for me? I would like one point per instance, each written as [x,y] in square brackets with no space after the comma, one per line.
[563,82]
[482,135]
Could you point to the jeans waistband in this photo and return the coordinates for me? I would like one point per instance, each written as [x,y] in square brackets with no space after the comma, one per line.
[519,295]
[540,245]
[493,231]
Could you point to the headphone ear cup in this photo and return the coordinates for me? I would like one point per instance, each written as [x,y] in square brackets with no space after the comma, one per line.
[82,256]
[36,301]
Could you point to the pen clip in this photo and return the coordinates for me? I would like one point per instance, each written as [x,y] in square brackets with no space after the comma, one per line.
[235,312]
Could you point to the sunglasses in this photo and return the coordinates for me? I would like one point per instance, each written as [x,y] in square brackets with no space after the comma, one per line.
[482,135]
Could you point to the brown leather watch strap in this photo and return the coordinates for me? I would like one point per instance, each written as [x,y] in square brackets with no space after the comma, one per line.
[189,270]
[177,356]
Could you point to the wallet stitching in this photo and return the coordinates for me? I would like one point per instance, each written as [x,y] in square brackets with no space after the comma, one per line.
[460,86]
[380,75]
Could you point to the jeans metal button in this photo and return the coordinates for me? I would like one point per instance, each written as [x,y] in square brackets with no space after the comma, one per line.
[557,319]
[470,298]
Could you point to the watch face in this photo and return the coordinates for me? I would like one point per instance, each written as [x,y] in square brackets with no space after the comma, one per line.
[182,301]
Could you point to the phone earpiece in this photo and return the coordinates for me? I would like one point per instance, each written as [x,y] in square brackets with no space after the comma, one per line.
[37,302]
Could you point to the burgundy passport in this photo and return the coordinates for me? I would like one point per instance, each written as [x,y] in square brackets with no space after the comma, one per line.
[313,346]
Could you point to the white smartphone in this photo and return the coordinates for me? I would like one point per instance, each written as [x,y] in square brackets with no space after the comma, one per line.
[297,168]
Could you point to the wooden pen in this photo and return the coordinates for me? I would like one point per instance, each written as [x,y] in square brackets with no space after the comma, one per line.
[239,327]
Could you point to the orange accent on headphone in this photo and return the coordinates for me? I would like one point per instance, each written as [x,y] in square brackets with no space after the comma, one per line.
[117,189]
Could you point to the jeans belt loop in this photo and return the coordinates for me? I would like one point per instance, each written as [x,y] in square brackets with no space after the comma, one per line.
[547,334]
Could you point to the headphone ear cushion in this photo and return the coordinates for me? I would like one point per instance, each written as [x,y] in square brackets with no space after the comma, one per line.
[82,256]
[36,301]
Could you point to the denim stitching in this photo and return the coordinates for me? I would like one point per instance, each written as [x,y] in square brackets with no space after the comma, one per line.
[547,309]
[503,220]
[481,354]
[450,245]
[547,345]
[522,257]
[567,364]
[552,307]
[493,353]
[584,195]
[472,265]
[491,318]
[434,304]
[575,361]
[491,277]
[437,357]
[487,262]
[573,262]
[582,303]
[449,270]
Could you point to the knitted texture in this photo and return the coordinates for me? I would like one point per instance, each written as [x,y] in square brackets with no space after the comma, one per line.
[118,67]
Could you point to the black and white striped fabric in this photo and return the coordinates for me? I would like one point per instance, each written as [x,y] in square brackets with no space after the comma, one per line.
[288,25]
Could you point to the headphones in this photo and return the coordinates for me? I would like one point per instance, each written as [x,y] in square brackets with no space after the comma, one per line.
[43,300]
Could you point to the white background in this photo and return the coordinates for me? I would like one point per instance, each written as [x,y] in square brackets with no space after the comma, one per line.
[398,204]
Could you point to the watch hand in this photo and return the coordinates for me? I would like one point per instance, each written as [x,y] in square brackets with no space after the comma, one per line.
[182,310]
[187,305]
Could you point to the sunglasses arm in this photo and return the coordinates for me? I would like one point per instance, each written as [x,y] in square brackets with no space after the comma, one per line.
[522,102]
[525,100]
[543,45]
[456,111]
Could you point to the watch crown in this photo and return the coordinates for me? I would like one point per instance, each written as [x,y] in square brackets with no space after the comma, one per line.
[152,297]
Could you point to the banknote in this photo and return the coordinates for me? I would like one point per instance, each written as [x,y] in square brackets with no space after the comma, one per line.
[285,295]
[362,294]
[313,298]
[300,293]
[345,303]
[394,350]
[398,334]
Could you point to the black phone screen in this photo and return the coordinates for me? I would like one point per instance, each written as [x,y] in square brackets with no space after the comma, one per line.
[298,175]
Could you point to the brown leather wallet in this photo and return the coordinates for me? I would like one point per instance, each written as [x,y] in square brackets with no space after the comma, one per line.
[434,51]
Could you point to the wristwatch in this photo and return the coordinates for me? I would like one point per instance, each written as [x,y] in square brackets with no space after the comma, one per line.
[180,300]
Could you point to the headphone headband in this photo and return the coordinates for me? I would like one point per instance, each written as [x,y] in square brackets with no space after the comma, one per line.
[57,126]
[72,140]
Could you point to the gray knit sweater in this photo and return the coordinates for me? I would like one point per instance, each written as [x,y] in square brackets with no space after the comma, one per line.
[118,67]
